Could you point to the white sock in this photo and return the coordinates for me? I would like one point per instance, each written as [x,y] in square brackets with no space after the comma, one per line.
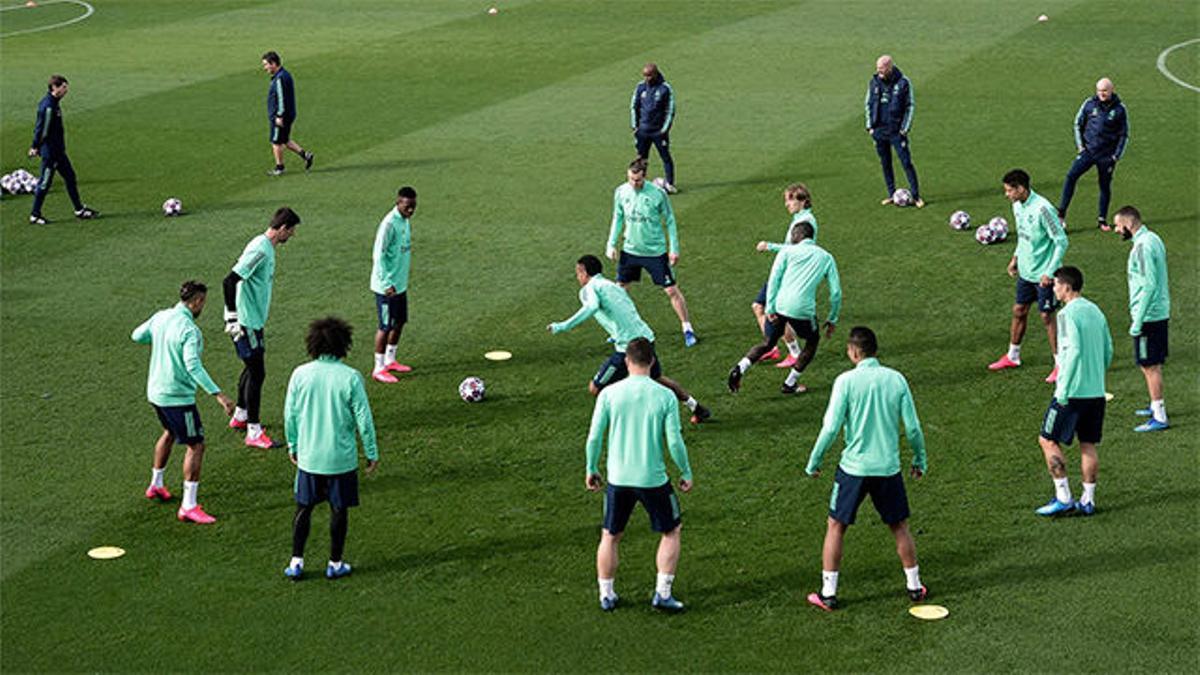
[793,375]
[240,414]
[912,578]
[606,588]
[744,364]
[793,347]
[828,583]
[1062,490]
[379,362]
[253,430]
[190,487]
[389,354]
[1089,493]
[296,562]
[691,404]
[1014,353]
[156,477]
[1159,410]
[687,327]
[662,585]
[335,564]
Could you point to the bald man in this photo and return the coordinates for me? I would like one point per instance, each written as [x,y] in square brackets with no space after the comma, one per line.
[651,114]
[889,109]
[1101,132]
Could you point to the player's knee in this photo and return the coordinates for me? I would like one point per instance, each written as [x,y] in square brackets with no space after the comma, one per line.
[1020,311]
[197,448]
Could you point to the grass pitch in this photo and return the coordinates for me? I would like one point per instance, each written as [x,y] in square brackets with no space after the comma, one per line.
[473,549]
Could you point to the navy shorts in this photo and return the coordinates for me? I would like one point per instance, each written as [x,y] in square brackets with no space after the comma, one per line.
[629,269]
[1080,416]
[1028,292]
[805,329]
[614,370]
[250,345]
[339,489]
[761,298]
[183,421]
[661,503]
[887,494]
[281,135]
[1150,348]
[392,310]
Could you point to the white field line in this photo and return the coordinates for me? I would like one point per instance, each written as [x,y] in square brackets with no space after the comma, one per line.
[1162,64]
[88,11]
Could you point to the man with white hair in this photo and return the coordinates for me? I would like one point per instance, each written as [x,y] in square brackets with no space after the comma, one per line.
[1101,133]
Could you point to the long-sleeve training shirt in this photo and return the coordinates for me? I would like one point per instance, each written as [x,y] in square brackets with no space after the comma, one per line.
[176,346]
[612,308]
[1149,292]
[256,267]
[281,96]
[639,416]
[642,213]
[326,402]
[1084,351]
[1041,239]
[392,254]
[792,287]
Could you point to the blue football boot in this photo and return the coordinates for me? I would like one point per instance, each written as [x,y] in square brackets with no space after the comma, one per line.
[1152,425]
[1056,508]
[610,603]
[332,572]
[667,604]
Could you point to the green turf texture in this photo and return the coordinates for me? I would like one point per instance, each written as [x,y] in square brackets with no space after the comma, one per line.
[474,547]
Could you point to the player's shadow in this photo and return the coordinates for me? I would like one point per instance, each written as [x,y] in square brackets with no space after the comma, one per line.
[387,165]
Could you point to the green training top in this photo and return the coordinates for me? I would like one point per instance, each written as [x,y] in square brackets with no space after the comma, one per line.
[1149,295]
[870,401]
[639,414]
[1041,240]
[803,214]
[795,276]
[644,212]
[1084,351]
[175,348]
[392,254]
[325,401]
[613,309]
[256,267]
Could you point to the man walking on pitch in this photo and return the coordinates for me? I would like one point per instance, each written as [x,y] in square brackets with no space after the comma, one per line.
[1078,404]
[614,310]
[1149,309]
[645,208]
[637,415]
[889,110]
[50,143]
[176,345]
[1101,132]
[651,114]
[1041,244]
[798,201]
[247,302]
[326,402]
[792,301]
[870,402]
[390,261]
[281,113]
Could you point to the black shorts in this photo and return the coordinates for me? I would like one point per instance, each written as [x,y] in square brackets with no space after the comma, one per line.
[1150,348]
[250,345]
[340,489]
[392,310]
[1028,292]
[183,421]
[761,298]
[661,503]
[805,329]
[1082,416]
[887,494]
[281,135]
[629,269]
[614,370]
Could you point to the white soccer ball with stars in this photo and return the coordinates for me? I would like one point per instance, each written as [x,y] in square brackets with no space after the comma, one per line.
[172,207]
[1000,226]
[902,197]
[985,234]
[471,390]
[660,183]
[960,220]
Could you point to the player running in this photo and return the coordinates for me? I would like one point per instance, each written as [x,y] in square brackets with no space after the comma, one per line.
[614,310]
[176,345]
[798,201]
[645,208]
[247,301]
[791,301]
[1041,244]
[390,261]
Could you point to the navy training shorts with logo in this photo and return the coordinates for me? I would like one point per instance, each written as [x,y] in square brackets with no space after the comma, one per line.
[661,504]
[887,494]
[1150,348]
[629,269]
[183,421]
[339,489]
[392,310]
[1028,292]
[280,135]
[1080,416]
[251,344]
[614,370]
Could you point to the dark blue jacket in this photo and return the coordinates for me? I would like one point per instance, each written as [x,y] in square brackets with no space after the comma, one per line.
[48,134]
[1102,128]
[889,103]
[281,96]
[652,108]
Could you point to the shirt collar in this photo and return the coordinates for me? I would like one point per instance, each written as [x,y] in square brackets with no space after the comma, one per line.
[1140,234]
[328,358]
[869,362]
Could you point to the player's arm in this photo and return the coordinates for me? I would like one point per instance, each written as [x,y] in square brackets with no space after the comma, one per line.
[382,257]
[192,348]
[670,103]
[614,231]
[773,283]
[1068,356]
[835,292]
[591,304]
[595,439]
[41,127]
[1108,346]
[633,108]
[280,106]
[675,444]
[141,334]
[912,429]
[906,124]
[867,107]
[364,420]
[1080,121]
[1140,299]
[668,214]
[1124,138]
[291,417]
[835,416]
[1057,234]
[233,328]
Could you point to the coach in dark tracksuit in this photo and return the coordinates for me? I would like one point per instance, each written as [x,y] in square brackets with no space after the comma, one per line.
[651,113]
[1101,131]
[889,110]
[281,113]
[50,143]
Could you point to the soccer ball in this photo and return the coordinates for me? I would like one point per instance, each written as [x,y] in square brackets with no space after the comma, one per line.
[985,235]
[471,390]
[960,220]
[1000,227]
[172,207]
[8,184]
[660,183]
[902,197]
